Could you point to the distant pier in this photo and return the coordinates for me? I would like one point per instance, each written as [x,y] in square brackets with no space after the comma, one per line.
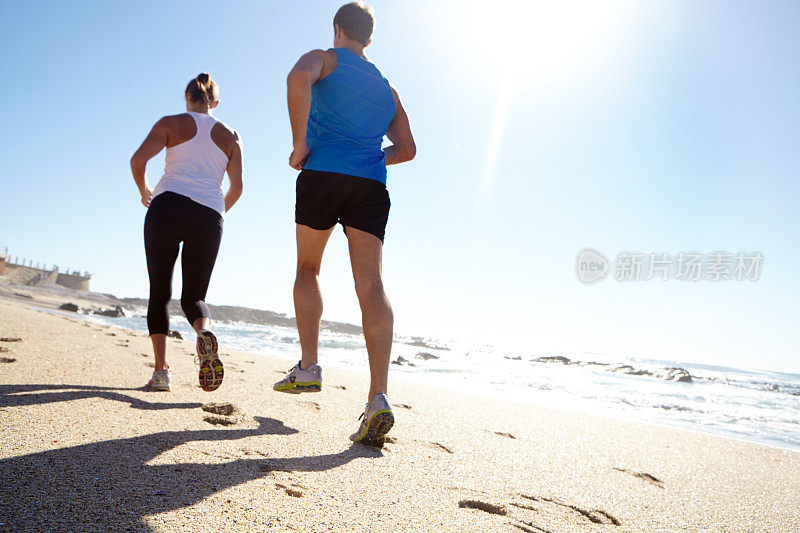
[22,271]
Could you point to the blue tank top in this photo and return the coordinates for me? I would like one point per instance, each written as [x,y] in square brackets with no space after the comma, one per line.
[351,109]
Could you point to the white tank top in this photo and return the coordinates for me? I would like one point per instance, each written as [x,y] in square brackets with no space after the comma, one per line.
[196,168]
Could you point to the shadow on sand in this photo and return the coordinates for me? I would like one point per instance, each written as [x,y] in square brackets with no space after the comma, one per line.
[108,485]
[10,396]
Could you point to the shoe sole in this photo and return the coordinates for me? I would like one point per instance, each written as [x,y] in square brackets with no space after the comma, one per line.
[160,388]
[377,428]
[298,388]
[211,369]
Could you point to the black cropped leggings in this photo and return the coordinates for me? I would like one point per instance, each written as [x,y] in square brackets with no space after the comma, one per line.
[172,219]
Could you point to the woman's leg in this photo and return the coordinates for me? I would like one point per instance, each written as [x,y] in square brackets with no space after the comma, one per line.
[200,248]
[161,249]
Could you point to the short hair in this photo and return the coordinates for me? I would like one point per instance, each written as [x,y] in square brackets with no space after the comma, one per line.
[203,89]
[357,21]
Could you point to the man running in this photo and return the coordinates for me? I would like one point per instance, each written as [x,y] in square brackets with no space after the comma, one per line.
[340,108]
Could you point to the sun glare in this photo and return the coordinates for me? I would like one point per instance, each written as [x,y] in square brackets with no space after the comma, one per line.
[525,48]
[536,40]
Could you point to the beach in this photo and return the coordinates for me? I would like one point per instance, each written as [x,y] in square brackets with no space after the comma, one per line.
[85,448]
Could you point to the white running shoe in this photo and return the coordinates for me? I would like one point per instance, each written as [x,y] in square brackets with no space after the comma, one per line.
[160,380]
[299,380]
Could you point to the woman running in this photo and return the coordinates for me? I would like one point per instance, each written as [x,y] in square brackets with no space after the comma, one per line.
[187,206]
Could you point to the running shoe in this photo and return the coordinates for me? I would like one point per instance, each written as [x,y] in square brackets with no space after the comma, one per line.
[376,421]
[160,380]
[211,370]
[299,380]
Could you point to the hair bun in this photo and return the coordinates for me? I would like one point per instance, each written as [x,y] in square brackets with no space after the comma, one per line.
[203,88]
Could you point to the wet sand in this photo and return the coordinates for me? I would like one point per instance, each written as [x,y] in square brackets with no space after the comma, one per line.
[84,448]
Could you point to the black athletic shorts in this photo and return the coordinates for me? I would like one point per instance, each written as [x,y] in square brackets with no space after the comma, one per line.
[325,198]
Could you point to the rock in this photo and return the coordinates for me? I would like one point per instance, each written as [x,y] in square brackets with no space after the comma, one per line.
[69,307]
[402,361]
[426,356]
[553,359]
[515,358]
[673,374]
[117,312]
[628,369]
[175,334]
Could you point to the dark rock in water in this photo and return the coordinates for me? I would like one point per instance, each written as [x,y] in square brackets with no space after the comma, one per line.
[515,358]
[554,359]
[69,307]
[117,312]
[426,356]
[402,361]
[422,343]
[175,334]
[628,369]
[673,374]
[667,374]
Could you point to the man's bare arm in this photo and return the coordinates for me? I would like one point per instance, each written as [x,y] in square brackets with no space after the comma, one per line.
[305,73]
[399,133]
[155,142]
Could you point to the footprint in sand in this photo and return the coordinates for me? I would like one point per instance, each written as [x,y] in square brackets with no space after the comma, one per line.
[314,405]
[643,476]
[403,405]
[7,359]
[530,527]
[441,446]
[220,420]
[10,339]
[291,491]
[3,349]
[222,414]
[222,408]
[340,387]
[596,516]
[483,506]
[501,433]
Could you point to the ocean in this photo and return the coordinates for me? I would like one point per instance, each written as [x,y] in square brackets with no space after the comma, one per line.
[752,405]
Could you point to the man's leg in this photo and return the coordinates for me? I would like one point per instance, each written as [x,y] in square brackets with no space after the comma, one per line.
[307,296]
[376,313]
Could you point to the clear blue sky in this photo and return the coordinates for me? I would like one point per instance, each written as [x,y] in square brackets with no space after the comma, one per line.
[542,129]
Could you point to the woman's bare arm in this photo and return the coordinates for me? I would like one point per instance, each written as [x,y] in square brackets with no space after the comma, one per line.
[155,142]
[234,173]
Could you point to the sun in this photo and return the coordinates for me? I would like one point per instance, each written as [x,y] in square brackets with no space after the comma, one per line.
[536,41]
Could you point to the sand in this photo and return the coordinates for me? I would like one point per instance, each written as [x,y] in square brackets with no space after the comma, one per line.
[84,448]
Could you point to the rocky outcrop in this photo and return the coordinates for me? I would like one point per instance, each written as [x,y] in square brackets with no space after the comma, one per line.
[667,374]
[425,356]
[117,312]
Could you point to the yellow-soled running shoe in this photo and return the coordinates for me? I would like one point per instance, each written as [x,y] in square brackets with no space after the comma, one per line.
[376,421]
[299,380]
